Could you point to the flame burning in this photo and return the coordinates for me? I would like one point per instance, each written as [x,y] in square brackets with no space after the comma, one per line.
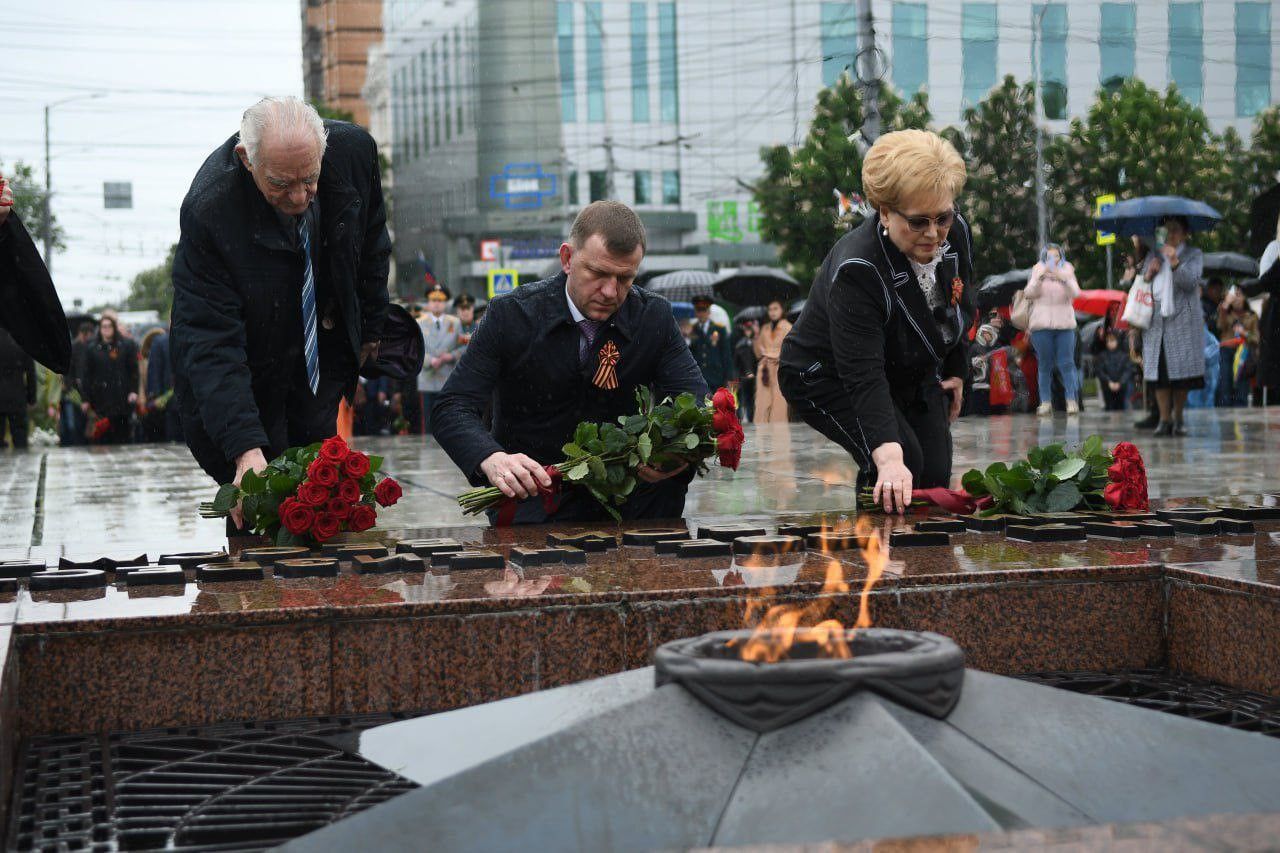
[775,632]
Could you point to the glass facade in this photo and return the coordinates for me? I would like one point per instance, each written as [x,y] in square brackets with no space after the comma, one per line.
[668,70]
[446,90]
[1053,57]
[564,47]
[639,62]
[1118,26]
[459,95]
[644,188]
[839,40]
[434,89]
[671,187]
[910,47]
[573,187]
[599,182]
[1253,58]
[594,26]
[1186,49]
[979,40]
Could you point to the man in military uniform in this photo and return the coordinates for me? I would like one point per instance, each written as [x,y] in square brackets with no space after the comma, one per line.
[440,333]
[567,349]
[710,346]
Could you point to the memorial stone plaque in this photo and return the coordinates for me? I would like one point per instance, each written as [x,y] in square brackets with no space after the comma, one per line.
[1113,530]
[830,540]
[801,530]
[530,557]
[1234,526]
[465,560]
[1194,513]
[730,532]
[272,555]
[669,546]
[1253,512]
[103,564]
[229,571]
[8,585]
[191,559]
[427,547]
[986,523]
[592,541]
[10,569]
[367,564]
[68,579]
[941,525]
[350,551]
[1155,528]
[903,538]
[703,548]
[1046,532]
[759,545]
[156,576]
[307,567]
[653,536]
[441,558]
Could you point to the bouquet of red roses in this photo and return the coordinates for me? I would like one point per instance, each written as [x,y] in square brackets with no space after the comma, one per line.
[308,495]
[603,458]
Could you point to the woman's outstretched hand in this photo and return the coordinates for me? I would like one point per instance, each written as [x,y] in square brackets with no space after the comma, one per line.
[893,479]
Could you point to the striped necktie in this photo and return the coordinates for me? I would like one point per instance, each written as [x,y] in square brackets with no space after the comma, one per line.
[590,328]
[309,346]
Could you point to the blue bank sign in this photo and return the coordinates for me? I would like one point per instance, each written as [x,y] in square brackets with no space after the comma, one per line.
[522,186]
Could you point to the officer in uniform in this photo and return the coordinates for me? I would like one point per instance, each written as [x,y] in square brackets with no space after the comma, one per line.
[709,343]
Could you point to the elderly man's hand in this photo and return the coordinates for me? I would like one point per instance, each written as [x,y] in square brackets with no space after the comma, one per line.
[515,474]
[250,460]
[6,199]
[649,474]
[368,351]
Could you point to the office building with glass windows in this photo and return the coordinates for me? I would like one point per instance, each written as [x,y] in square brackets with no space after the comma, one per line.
[507,116]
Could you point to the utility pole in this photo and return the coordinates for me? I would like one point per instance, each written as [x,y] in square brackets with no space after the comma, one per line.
[46,227]
[1042,214]
[868,72]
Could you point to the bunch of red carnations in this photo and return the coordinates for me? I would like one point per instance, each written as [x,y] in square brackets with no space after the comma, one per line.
[308,495]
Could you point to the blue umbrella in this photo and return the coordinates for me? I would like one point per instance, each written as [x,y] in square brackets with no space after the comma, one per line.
[1140,216]
[682,310]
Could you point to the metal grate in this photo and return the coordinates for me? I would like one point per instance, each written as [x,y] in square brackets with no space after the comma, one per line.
[1173,693]
[238,786]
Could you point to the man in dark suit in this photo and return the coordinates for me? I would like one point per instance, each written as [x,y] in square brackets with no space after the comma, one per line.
[709,343]
[280,285]
[537,357]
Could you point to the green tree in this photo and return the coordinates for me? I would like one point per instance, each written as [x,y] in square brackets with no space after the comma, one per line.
[335,113]
[1135,142]
[152,289]
[999,146]
[797,207]
[28,202]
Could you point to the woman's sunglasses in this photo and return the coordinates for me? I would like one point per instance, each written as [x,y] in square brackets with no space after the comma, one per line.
[920,224]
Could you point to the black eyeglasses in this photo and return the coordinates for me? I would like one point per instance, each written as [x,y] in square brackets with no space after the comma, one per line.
[919,224]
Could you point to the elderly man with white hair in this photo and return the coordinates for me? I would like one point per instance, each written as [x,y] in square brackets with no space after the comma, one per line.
[280,285]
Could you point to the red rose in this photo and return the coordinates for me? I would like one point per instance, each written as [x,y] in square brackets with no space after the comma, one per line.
[312,494]
[334,449]
[356,465]
[388,492]
[348,491]
[723,421]
[362,518]
[325,527]
[296,516]
[730,446]
[1128,474]
[338,508]
[324,473]
[723,401]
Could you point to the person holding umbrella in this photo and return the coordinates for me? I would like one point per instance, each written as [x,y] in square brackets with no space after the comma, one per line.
[877,360]
[1172,356]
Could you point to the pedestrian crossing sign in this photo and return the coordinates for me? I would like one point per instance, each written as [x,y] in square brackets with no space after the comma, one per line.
[503,281]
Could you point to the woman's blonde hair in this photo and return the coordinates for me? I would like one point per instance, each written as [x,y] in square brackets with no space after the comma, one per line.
[908,164]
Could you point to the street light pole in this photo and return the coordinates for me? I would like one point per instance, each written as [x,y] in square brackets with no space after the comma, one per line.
[867,71]
[46,226]
[1042,214]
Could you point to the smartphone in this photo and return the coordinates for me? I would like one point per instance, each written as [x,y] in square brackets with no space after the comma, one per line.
[1161,234]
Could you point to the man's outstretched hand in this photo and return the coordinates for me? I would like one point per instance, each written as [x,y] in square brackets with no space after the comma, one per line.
[250,460]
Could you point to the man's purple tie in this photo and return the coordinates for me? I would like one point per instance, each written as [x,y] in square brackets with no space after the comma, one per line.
[590,328]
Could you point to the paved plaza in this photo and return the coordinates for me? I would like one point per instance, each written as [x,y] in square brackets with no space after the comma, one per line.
[146,496]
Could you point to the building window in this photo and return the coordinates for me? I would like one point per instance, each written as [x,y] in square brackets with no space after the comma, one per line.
[668,72]
[644,187]
[910,48]
[839,40]
[640,62]
[573,188]
[1253,58]
[1053,57]
[1186,49]
[457,77]
[1118,28]
[595,61]
[599,182]
[564,43]
[435,95]
[446,90]
[419,114]
[671,187]
[979,40]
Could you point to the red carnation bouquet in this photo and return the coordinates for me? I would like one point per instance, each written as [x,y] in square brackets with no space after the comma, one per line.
[308,495]
[603,458]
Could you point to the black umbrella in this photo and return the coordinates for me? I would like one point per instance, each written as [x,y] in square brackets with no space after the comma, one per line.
[751,312]
[793,313]
[997,290]
[757,286]
[29,304]
[1262,220]
[1230,264]
[683,285]
[401,350]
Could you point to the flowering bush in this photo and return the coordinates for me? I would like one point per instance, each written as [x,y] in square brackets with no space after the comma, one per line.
[308,495]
